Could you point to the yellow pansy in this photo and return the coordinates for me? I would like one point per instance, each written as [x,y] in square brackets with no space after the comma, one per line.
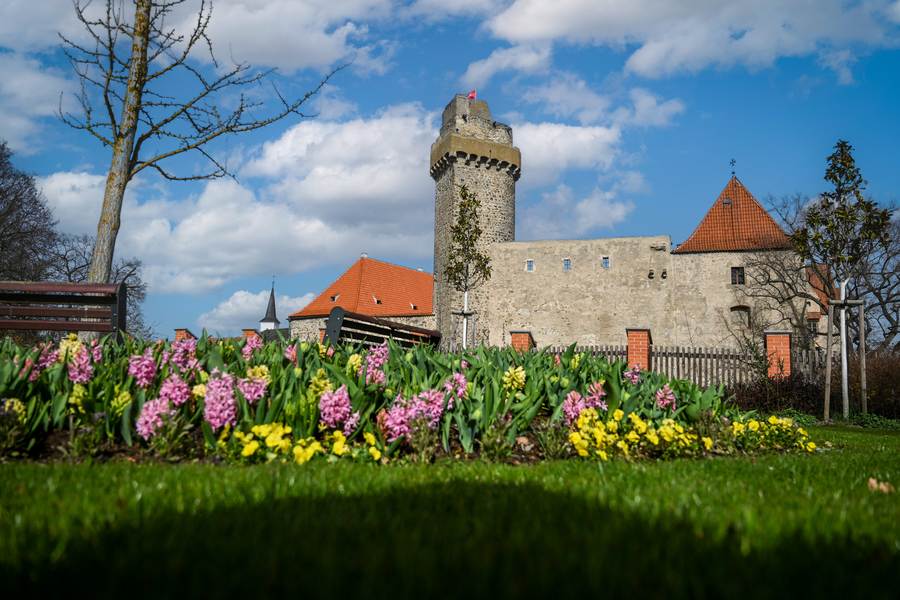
[618,414]
[707,443]
[250,448]
[260,372]
[199,391]
[753,425]
[375,453]
[369,437]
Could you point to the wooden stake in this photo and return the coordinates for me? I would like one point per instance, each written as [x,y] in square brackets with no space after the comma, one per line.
[830,325]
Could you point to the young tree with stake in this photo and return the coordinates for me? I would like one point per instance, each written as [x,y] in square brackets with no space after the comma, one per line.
[127,70]
[467,266]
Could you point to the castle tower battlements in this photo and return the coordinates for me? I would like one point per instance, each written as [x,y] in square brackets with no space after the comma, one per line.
[476,151]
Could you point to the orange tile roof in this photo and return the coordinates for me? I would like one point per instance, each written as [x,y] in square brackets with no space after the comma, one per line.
[742,224]
[398,289]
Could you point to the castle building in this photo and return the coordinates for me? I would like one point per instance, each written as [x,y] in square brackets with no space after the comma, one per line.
[560,291]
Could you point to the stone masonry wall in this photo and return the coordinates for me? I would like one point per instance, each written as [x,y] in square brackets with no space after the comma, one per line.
[308,329]
[690,306]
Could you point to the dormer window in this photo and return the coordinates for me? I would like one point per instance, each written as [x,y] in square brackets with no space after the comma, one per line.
[529,265]
[413,306]
[375,299]
[567,264]
[726,201]
[604,262]
[335,297]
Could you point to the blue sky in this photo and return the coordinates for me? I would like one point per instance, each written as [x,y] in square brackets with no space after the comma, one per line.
[627,114]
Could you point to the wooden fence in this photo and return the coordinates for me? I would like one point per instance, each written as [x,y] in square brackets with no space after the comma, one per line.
[611,353]
[704,366]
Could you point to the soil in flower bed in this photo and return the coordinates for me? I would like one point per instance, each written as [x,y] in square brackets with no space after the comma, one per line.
[788,525]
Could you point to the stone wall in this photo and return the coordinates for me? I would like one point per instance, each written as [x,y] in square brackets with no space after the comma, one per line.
[686,302]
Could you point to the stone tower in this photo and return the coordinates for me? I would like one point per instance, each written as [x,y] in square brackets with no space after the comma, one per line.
[476,151]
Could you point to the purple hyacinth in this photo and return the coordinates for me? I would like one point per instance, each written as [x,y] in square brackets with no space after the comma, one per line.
[374,366]
[219,407]
[351,424]
[455,388]
[665,397]
[254,342]
[397,421]
[80,369]
[290,353]
[150,420]
[143,368]
[184,353]
[634,375]
[175,390]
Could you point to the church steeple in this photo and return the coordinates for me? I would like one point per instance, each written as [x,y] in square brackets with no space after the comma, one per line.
[270,321]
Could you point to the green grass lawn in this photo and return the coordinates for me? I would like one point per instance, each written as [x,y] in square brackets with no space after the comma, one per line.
[772,525]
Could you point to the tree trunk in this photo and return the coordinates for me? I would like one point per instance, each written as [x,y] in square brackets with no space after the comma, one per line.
[123,146]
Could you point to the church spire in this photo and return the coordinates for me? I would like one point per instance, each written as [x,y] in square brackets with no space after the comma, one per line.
[270,321]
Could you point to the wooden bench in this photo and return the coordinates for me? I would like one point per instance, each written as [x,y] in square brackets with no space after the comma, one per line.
[50,306]
[344,326]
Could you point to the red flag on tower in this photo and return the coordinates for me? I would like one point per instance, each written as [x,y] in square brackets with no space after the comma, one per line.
[472,95]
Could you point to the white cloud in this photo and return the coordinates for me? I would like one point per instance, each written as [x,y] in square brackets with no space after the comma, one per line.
[244,309]
[648,111]
[840,62]
[670,36]
[560,215]
[568,96]
[28,93]
[526,59]
[28,26]
[549,149]
[436,10]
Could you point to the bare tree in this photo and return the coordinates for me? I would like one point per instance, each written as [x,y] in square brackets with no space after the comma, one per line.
[70,261]
[124,70]
[27,226]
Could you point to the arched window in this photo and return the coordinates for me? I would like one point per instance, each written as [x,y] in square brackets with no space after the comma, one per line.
[741,315]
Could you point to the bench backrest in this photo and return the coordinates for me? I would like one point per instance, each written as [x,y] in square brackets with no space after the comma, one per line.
[344,326]
[50,306]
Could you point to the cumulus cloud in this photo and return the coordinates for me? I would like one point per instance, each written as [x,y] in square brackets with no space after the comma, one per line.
[28,92]
[243,309]
[568,96]
[525,59]
[647,110]
[437,10]
[560,214]
[670,36]
[549,149]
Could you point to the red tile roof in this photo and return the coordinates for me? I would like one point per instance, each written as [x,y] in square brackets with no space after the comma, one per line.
[735,222]
[398,289]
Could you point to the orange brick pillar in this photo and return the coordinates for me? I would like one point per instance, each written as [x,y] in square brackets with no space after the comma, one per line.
[778,350]
[639,344]
[521,341]
[184,334]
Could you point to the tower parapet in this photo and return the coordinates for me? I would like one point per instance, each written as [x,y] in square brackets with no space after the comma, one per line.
[476,151]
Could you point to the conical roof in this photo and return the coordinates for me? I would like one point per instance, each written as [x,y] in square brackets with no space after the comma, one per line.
[735,222]
[270,310]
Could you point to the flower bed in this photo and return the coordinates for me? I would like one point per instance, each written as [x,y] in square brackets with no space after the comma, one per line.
[287,401]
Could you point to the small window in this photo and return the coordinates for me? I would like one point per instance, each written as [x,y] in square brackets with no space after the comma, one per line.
[726,201]
[737,275]
[413,306]
[604,262]
[741,315]
[376,299]
[812,327]
[529,265]
[335,297]
[567,264]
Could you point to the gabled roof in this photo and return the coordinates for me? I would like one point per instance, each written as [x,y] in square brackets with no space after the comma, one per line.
[735,222]
[375,288]
[270,309]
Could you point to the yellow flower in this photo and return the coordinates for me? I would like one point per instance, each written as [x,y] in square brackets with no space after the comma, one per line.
[375,453]
[621,445]
[802,432]
[260,372]
[810,447]
[76,398]
[633,437]
[306,449]
[69,347]
[122,400]
[199,391]
[618,414]
[369,437]
[652,437]
[603,455]
[753,425]
[14,405]
[250,448]
[514,379]
[773,420]
[353,364]
[339,447]
[298,371]
[707,443]
[576,360]
[323,350]
[304,346]
[612,426]
[204,376]
[737,428]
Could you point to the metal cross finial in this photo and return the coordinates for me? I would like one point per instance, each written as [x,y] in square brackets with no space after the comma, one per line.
[732,163]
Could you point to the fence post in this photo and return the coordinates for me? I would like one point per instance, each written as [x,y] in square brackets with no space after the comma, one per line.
[639,346]
[778,350]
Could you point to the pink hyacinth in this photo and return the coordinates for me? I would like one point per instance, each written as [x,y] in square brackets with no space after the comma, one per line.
[375,360]
[26,368]
[594,399]
[463,364]
[143,368]
[290,353]
[48,357]
[150,420]
[252,389]
[219,407]
[397,421]
[351,424]
[334,407]
[80,369]
[96,351]
[665,397]
[175,390]
[254,342]
[455,388]
[575,403]
[634,375]
[184,353]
